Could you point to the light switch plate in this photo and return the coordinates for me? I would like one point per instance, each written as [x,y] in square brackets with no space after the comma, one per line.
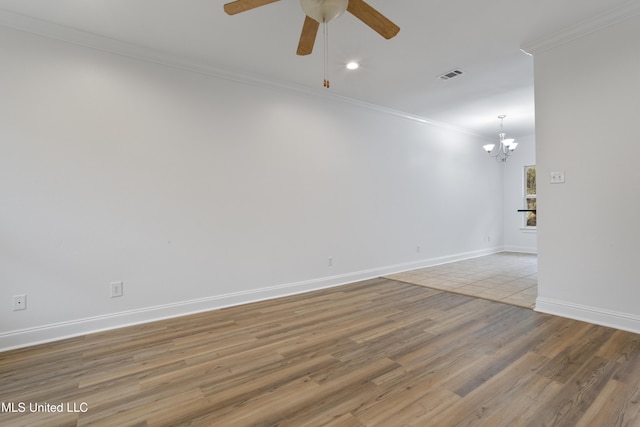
[557,177]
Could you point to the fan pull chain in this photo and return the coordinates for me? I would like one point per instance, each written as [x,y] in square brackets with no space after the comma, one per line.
[325,33]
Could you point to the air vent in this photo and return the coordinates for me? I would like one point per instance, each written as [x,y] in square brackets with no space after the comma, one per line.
[450,74]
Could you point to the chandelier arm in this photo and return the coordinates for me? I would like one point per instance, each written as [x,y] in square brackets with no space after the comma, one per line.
[503,151]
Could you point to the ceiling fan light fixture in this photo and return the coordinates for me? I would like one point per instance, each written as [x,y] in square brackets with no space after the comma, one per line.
[324,10]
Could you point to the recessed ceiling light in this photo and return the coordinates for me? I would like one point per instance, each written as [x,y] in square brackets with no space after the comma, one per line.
[353,65]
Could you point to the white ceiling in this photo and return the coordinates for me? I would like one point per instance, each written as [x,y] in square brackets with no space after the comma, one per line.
[483,38]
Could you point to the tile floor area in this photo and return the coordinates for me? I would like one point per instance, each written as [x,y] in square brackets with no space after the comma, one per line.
[506,277]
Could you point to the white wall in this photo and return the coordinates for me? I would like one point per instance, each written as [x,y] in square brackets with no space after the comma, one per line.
[587,109]
[199,192]
[516,238]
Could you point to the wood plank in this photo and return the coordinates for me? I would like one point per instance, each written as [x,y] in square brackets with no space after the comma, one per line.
[578,394]
[609,409]
[372,353]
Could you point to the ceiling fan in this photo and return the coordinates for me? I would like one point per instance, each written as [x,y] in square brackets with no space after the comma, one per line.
[323,11]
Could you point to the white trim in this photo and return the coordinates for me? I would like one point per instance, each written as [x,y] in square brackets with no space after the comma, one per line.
[529,229]
[521,249]
[57,331]
[105,44]
[596,23]
[598,316]
[431,262]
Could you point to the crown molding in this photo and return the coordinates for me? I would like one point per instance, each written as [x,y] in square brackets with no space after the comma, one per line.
[613,16]
[109,45]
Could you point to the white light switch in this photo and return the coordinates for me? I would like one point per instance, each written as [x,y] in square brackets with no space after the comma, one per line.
[557,177]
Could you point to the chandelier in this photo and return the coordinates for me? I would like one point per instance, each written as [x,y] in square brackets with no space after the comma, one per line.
[506,147]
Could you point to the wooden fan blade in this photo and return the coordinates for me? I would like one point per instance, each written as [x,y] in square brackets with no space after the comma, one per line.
[244,5]
[374,19]
[308,36]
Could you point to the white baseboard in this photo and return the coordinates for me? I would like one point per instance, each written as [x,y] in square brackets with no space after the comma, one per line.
[57,331]
[598,316]
[430,262]
[521,249]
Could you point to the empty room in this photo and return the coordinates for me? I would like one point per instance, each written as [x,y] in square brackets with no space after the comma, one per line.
[319,213]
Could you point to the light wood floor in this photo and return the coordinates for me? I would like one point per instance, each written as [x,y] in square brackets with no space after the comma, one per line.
[374,353]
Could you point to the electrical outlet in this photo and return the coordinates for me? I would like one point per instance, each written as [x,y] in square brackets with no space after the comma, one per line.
[418,248]
[330,263]
[117,289]
[19,302]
